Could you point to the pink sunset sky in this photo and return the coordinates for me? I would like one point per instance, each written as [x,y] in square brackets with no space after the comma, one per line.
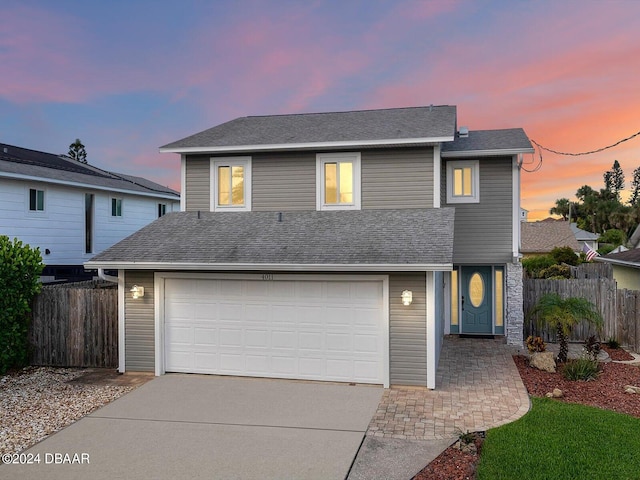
[129,76]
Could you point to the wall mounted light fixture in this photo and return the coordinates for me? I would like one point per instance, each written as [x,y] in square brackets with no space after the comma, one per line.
[137,292]
[407,297]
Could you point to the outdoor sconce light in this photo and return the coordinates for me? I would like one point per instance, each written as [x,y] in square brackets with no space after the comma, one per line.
[137,292]
[407,297]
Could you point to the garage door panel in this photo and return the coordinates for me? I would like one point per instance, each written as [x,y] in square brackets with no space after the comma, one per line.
[256,338]
[180,334]
[205,336]
[206,362]
[232,363]
[284,340]
[309,329]
[231,337]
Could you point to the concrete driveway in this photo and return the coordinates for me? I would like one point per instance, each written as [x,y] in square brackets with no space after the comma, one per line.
[200,426]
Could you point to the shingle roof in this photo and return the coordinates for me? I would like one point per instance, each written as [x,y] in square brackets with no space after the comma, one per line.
[583,235]
[16,161]
[629,256]
[542,237]
[399,124]
[361,238]
[490,140]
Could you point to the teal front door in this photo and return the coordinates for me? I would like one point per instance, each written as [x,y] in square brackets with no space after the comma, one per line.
[476,300]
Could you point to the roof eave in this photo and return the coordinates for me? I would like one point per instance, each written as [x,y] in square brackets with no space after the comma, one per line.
[486,153]
[622,263]
[315,267]
[307,145]
[89,185]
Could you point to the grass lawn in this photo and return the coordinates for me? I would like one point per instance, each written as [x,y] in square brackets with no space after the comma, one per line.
[557,440]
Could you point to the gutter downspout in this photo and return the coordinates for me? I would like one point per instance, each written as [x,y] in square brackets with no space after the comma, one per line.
[105,277]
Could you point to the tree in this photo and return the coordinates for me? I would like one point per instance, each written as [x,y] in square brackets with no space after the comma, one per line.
[77,151]
[563,315]
[20,269]
[635,188]
[614,179]
[561,208]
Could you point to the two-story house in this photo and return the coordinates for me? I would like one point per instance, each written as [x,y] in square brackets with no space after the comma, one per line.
[331,246]
[72,210]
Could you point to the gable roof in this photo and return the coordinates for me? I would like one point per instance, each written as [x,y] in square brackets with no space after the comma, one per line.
[542,237]
[488,142]
[583,235]
[363,128]
[363,240]
[628,258]
[25,164]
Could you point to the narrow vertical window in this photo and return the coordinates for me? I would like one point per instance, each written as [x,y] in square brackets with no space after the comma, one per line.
[231,186]
[462,182]
[162,209]
[499,297]
[88,223]
[338,183]
[454,298]
[36,200]
[116,207]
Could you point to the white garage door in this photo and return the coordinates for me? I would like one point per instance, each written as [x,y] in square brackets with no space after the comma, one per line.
[304,329]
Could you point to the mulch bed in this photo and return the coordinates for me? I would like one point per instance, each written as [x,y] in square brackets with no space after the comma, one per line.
[606,392]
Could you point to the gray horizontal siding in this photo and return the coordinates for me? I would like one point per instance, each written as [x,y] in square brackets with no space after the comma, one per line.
[399,178]
[483,231]
[139,324]
[197,179]
[407,331]
[283,181]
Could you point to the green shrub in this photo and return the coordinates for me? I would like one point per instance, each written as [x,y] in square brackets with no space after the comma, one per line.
[533,265]
[20,269]
[584,369]
[613,343]
[565,255]
[555,272]
[613,236]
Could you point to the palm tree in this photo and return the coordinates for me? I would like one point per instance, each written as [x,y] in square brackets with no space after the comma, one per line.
[563,315]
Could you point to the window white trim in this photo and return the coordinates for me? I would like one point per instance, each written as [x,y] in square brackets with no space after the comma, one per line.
[230,161]
[111,207]
[36,210]
[475,181]
[321,160]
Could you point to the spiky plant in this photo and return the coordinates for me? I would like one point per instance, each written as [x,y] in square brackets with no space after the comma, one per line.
[563,315]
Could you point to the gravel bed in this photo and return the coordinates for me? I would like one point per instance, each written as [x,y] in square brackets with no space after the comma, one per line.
[37,401]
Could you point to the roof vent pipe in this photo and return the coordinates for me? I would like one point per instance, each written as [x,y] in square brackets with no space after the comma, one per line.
[463,132]
[279,216]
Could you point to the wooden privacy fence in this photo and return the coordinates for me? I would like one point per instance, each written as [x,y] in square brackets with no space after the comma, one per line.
[75,325]
[619,308]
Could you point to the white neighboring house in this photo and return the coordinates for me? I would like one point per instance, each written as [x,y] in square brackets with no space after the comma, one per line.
[71,210]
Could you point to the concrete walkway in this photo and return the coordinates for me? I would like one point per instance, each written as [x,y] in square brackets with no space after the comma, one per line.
[477,387]
[205,426]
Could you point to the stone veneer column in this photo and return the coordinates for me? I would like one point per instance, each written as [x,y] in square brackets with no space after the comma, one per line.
[515,308]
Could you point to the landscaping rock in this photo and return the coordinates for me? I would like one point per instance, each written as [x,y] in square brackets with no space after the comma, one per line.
[557,393]
[631,389]
[543,361]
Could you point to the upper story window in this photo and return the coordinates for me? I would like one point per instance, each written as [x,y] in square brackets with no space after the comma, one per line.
[231,181]
[463,181]
[162,209]
[116,207]
[36,200]
[338,181]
